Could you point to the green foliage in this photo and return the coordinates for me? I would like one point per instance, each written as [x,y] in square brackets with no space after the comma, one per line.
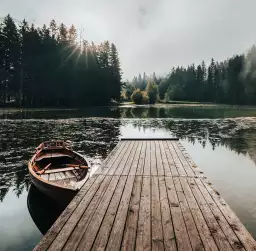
[152,92]
[129,89]
[139,97]
[48,66]
[163,87]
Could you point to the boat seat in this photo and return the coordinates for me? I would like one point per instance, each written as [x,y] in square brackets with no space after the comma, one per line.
[61,170]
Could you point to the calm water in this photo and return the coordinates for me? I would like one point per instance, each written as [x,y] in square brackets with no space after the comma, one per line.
[221,140]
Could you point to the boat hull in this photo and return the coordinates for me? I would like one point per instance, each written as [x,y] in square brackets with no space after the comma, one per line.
[61,195]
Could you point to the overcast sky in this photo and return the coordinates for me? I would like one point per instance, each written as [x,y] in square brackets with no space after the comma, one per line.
[152,35]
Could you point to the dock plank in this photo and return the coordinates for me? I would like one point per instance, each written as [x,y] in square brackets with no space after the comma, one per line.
[227,230]
[176,160]
[88,238]
[125,159]
[136,159]
[70,225]
[143,240]
[83,221]
[156,219]
[167,224]
[194,236]
[141,163]
[132,217]
[189,171]
[147,164]
[240,231]
[180,230]
[216,231]
[131,159]
[153,158]
[116,234]
[159,162]
[203,230]
[101,239]
[171,164]
[163,156]
[51,235]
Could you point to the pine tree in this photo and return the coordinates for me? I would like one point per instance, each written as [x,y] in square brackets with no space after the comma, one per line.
[116,72]
[11,57]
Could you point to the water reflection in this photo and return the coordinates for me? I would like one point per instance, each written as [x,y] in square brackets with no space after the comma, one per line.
[43,210]
[221,131]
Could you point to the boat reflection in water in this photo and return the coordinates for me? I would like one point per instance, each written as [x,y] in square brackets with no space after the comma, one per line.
[43,210]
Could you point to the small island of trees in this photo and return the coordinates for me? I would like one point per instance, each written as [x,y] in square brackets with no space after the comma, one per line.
[232,81]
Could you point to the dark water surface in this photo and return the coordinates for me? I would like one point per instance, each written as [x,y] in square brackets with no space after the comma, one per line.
[221,140]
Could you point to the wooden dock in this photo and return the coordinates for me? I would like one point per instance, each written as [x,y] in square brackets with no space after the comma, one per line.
[148,195]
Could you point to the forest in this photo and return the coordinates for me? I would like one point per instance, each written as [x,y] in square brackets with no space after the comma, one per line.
[54,66]
[232,81]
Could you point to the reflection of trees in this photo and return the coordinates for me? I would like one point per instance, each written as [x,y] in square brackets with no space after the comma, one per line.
[238,135]
[93,137]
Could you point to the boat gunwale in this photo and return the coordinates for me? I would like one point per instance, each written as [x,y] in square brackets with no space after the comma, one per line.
[36,176]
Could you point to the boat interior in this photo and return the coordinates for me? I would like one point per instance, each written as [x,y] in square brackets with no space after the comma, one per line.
[62,167]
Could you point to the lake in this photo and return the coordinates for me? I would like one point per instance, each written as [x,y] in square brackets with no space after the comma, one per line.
[220,139]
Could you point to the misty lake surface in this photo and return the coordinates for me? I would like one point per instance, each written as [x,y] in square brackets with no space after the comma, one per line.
[220,139]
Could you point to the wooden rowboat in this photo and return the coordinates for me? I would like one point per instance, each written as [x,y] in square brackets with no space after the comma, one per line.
[58,171]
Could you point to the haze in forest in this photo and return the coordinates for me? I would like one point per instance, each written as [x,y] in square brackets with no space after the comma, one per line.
[151,36]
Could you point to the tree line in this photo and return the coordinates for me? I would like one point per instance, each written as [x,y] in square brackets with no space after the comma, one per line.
[52,66]
[232,81]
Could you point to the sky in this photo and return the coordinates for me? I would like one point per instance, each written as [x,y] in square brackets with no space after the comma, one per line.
[151,35]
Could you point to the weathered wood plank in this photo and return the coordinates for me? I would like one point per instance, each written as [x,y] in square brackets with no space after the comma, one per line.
[132,217]
[130,159]
[172,166]
[239,229]
[194,236]
[203,230]
[159,162]
[119,159]
[227,230]
[176,160]
[168,231]
[182,238]
[61,221]
[143,240]
[153,158]
[110,157]
[135,162]
[147,163]
[125,159]
[219,237]
[83,221]
[88,238]
[116,234]
[192,164]
[70,225]
[142,159]
[156,219]
[163,156]
[105,167]
[182,159]
[102,237]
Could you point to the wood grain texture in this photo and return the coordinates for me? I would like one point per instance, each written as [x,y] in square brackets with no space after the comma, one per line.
[143,240]
[132,217]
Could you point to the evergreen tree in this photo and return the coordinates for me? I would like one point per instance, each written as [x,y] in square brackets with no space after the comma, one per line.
[152,92]
[46,66]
